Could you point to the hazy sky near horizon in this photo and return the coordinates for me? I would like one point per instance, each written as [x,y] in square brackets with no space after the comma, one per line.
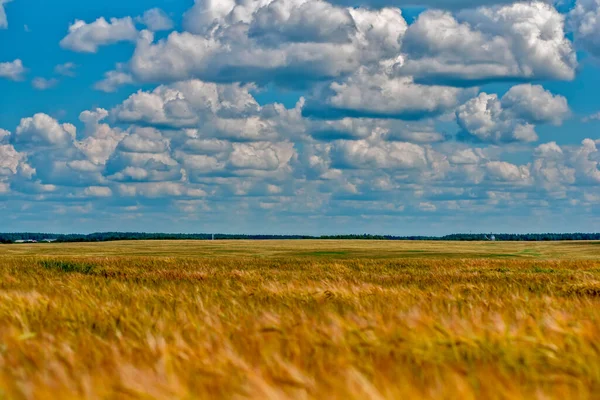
[300,116]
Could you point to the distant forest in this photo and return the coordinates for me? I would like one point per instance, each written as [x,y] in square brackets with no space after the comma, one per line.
[114,236]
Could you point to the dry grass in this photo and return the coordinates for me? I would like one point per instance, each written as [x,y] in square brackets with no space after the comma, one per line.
[301,320]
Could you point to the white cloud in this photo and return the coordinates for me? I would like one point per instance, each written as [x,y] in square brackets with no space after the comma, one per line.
[584,20]
[100,140]
[55,156]
[550,168]
[3,18]
[9,159]
[363,128]
[86,38]
[160,189]
[377,94]
[586,161]
[512,118]
[592,117]
[517,41]
[137,143]
[441,4]
[427,207]
[261,155]
[363,154]
[113,80]
[467,157]
[66,69]
[97,191]
[484,118]
[245,42]
[217,111]
[143,155]
[508,172]
[549,150]
[4,135]
[44,84]
[12,70]
[534,104]
[42,130]
[309,21]
[156,20]
[186,104]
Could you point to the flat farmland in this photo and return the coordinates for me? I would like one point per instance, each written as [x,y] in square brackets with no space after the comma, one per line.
[300,320]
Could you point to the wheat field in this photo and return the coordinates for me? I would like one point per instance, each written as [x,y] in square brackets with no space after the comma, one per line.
[300,320]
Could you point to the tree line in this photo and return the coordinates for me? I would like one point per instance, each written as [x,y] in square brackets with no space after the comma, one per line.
[116,236]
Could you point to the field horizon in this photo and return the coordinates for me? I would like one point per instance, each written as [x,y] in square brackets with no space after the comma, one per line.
[313,247]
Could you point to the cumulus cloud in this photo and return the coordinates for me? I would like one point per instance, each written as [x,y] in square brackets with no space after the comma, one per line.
[263,156]
[43,83]
[143,155]
[467,156]
[9,159]
[99,140]
[97,191]
[3,18]
[440,4]
[4,135]
[584,20]
[52,156]
[217,111]
[12,70]
[43,131]
[290,43]
[315,21]
[386,155]
[363,128]
[536,105]
[186,104]
[160,189]
[511,118]
[521,41]
[256,159]
[86,38]
[113,80]
[56,156]
[156,20]
[66,69]
[592,117]
[508,172]
[554,169]
[549,150]
[551,169]
[379,95]
[586,161]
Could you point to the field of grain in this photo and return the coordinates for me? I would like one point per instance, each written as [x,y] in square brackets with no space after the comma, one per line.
[300,320]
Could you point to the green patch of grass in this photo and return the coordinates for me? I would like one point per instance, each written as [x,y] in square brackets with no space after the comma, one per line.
[540,270]
[68,266]
[503,255]
[531,252]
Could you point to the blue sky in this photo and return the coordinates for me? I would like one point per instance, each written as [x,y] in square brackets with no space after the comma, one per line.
[299,116]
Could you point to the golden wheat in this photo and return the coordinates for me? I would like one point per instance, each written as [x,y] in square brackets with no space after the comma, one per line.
[300,320]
